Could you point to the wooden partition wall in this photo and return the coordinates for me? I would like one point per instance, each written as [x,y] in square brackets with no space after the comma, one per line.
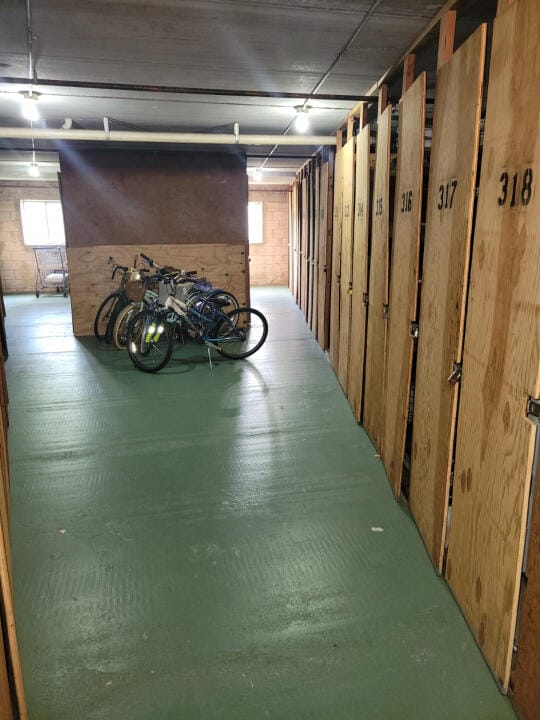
[476,380]
[402,306]
[378,284]
[501,365]
[12,699]
[449,214]
[186,209]
[360,268]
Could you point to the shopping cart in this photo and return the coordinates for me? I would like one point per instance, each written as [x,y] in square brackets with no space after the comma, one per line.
[51,269]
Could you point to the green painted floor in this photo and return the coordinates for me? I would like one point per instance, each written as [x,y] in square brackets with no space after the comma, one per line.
[206,544]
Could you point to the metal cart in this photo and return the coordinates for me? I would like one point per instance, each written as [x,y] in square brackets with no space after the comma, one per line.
[51,269]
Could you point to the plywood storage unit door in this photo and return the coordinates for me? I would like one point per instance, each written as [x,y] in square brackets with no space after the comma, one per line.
[378,284]
[524,679]
[12,699]
[346,261]
[315,250]
[359,274]
[325,251]
[293,203]
[404,277]
[452,180]
[501,363]
[304,251]
[336,260]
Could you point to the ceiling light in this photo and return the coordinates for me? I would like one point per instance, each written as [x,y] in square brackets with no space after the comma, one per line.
[29,106]
[257,175]
[301,121]
[33,169]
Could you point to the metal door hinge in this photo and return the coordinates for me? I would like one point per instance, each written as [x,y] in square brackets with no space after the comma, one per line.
[385,311]
[533,407]
[456,374]
[414,329]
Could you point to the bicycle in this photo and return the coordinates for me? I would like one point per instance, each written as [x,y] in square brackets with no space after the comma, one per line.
[235,334]
[193,290]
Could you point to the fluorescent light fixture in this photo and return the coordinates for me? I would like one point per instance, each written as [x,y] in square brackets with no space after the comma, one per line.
[301,121]
[29,107]
[257,175]
[33,169]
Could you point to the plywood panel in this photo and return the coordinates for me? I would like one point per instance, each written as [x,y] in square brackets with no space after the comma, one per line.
[501,364]
[311,235]
[378,284]
[451,191]
[404,277]
[90,276]
[315,258]
[336,260]
[294,239]
[346,261]
[126,197]
[359,273]
[526,688]
[325,253]
[6,708]
[304,251]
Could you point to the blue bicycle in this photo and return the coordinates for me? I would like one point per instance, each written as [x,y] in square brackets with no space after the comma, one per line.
[234,334]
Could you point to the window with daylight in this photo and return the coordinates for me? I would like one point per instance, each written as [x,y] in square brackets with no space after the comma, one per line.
[255,222]
[42,222]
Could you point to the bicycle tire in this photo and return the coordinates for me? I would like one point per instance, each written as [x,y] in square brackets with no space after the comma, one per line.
[149,350]
[242,333]
[104,313]
[121,324]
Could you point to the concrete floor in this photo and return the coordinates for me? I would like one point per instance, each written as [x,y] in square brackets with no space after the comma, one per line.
[217,544]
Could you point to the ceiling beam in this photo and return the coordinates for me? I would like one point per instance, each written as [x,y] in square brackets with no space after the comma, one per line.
[173,89]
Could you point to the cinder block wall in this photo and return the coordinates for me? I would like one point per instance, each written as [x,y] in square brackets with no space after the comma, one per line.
[269,262]
[17,264]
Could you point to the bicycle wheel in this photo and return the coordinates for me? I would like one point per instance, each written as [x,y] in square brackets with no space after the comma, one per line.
[121,324]
[104,314]
[149,341]
[242,333]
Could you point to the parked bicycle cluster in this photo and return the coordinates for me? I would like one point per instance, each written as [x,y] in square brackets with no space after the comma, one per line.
[150,311]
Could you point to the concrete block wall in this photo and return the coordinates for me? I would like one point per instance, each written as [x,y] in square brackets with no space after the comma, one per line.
[17,264]
[269,262]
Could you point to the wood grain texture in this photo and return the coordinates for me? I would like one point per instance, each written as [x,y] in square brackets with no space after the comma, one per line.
[335,291]
[11,682]
[304,249]
[524,679]
[132,197]
[311,244]
[315,252]
[296,241]
[357,343]
[501,364]
[454,155]
[90,278]
[378,285]
[403,277]
[346,261]
[325,252]
[6,708]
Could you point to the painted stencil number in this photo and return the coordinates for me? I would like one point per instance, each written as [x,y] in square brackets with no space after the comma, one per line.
[378,206]
[360,208]
[446,195]
[406,201]
[520,193]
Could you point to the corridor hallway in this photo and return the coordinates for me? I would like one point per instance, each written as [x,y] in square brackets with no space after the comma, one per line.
[205,544]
